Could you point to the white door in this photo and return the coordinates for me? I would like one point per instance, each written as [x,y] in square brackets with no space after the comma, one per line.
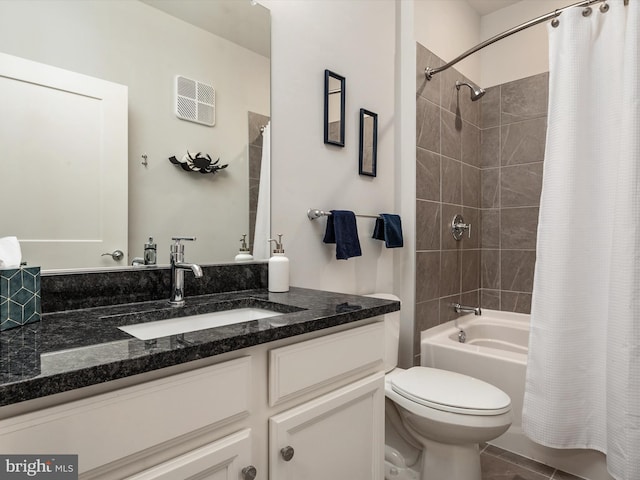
[339,436]
[226,459]
[63,165]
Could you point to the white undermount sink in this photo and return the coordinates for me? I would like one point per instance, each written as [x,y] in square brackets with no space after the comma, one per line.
[175,326]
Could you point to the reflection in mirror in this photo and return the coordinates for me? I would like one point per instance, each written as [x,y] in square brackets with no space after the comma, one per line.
[144,45]
[334,103]
[368,143]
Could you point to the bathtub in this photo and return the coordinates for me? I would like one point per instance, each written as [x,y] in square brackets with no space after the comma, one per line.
[495,350]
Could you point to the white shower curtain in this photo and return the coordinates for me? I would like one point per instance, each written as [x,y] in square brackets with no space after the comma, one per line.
[583,376]
[262,231]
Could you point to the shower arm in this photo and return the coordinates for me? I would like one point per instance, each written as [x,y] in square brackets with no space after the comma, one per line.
[430,72]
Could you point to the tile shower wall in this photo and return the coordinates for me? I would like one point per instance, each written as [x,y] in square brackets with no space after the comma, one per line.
[513,122]
[448,177]
[484,160]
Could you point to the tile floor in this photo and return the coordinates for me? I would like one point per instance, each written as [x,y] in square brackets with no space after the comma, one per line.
[498,464]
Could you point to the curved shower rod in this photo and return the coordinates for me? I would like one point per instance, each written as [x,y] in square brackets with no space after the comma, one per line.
[430,72]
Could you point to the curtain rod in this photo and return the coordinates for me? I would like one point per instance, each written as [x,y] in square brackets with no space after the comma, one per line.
[430,72]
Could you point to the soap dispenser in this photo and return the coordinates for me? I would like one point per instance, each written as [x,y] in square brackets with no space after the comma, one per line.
[278,268]
[150,250]
[243,254]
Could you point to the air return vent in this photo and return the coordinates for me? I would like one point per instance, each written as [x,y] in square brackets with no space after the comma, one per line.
[195,101]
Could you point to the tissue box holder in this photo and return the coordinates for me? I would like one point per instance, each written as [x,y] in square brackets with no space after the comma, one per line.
[19,296]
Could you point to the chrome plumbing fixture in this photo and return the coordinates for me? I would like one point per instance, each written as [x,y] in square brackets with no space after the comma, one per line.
[462,335]
[465,309]
[476,92]
[149,255]
[137,261]
[458,227]
[178,266]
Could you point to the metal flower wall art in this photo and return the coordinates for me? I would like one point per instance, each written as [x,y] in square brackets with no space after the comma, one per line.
[199,162]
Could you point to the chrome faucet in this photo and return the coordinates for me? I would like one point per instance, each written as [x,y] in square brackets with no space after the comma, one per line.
[178,266]
[462,335]
[464,309]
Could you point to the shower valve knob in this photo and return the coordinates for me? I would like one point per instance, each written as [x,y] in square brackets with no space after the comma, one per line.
[458,227]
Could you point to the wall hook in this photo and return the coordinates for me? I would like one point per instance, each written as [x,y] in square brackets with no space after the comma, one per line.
[144,159]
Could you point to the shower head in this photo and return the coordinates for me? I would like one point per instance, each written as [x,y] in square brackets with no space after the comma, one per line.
[476,92]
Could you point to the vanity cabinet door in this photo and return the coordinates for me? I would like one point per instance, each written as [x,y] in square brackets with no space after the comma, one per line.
[225,459]
[338,436]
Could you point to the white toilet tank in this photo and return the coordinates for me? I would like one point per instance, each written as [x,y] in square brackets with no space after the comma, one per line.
[392,332]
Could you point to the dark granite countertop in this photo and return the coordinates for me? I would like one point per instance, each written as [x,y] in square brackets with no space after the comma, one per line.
[78,348]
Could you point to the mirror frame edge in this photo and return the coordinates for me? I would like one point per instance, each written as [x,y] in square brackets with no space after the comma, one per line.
[374,155]
[327,75]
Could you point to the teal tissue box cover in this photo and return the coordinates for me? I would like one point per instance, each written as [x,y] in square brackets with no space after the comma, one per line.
[19,296]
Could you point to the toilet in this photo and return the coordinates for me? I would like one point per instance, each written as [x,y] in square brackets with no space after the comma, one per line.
[435,419]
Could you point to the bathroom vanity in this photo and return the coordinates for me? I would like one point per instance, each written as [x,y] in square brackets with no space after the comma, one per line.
[295,395]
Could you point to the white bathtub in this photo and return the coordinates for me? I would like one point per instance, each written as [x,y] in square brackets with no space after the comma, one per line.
[495,351]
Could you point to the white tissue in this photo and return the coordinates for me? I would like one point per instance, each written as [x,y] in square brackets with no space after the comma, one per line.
[10,253]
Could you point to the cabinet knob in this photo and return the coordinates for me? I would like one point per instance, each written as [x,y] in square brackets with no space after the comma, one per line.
[249,473]
[287,453]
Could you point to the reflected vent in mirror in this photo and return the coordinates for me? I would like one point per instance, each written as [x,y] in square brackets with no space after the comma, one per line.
[195,101]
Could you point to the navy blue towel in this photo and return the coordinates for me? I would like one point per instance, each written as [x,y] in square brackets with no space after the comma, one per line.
[389,228]
[342,230]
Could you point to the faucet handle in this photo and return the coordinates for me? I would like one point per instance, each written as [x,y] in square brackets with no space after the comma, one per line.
[458,227]
[177,239]
[177,247]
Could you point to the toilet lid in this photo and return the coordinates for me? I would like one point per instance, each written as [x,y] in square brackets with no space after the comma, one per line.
[450,391]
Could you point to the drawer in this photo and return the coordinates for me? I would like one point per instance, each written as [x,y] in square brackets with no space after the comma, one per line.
[220,460]
[110,426]
[306,366]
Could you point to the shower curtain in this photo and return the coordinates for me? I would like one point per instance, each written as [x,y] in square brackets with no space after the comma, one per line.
[262,232]
[583,375]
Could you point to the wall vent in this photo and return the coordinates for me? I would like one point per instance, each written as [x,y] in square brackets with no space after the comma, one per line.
[195,101]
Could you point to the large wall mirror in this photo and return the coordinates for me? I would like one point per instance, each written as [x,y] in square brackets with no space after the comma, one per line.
[144,45]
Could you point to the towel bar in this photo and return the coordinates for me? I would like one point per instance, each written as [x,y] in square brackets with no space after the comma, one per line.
[314,213]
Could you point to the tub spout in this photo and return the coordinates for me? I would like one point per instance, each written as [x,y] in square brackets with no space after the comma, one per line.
[465,309]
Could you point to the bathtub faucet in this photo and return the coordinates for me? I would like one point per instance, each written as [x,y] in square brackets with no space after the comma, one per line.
[464,309]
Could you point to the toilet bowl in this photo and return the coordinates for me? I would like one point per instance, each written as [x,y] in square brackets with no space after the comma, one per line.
[442,415]
[448,414]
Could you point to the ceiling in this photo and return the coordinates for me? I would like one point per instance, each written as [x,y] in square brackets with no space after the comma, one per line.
[242,22]
[484,7]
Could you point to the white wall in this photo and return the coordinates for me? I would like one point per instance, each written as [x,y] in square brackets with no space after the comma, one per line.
[405,181]
[449,28]
[131,43]
[522,54]
[354,39]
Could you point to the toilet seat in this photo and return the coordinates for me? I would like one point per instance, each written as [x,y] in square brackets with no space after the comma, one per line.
[450,392]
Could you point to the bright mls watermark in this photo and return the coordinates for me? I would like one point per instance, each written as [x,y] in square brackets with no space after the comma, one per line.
[50,467]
